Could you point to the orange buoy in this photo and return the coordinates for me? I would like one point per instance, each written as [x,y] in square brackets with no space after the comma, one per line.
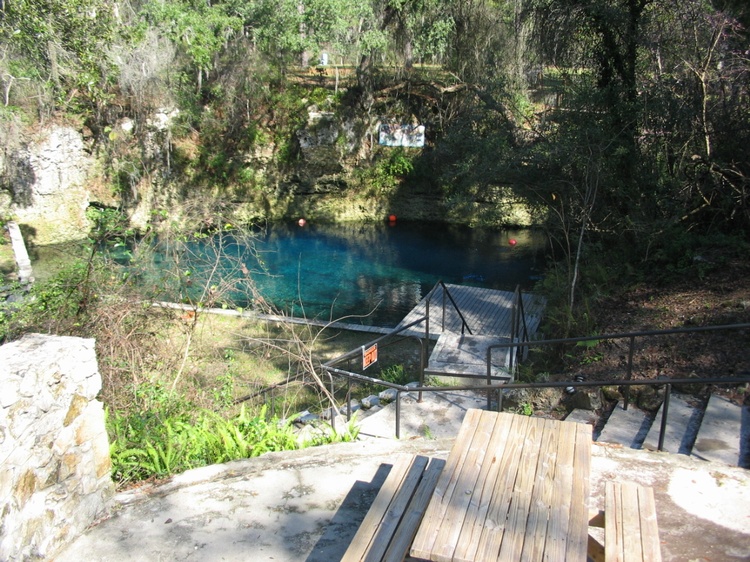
[391,218]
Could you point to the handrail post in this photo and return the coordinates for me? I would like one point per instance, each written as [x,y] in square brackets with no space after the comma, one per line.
[463,323]
[348,399]
[629,373]
[514,316]
[664,413]
[514,337]
[489,378]
[522,316]
[427,318]
[422,355]
[398,414]
[333,410]
[444,291]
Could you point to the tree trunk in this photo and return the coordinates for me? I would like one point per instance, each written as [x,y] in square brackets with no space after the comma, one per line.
[365,82]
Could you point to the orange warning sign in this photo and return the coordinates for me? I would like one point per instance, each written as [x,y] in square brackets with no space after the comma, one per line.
[369,356]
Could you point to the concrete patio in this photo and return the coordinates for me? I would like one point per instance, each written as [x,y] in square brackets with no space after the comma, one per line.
[307,504]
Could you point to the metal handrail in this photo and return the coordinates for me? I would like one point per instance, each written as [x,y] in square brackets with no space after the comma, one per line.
[492,387]
[330,369]
[425,319]
[496,388]
[631,336]
[446,292]
[517,313]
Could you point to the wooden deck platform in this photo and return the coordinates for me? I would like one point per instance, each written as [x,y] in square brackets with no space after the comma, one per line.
[489,316]
[488,312]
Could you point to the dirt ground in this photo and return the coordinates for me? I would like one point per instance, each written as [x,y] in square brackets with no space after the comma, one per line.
[719,298]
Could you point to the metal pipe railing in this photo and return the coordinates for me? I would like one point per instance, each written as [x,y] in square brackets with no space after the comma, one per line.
[491,387]
[496,388]
[631,336]
[446,292]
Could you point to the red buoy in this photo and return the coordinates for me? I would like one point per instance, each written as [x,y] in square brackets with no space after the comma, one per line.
[391,218]
[302,222]
[512,242]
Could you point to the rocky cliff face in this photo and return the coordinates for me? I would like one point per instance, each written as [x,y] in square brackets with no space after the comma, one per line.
[48,186]
[52,179]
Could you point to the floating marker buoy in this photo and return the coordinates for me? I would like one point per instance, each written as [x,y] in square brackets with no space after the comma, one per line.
[302,222]
[512,242]
[391,218]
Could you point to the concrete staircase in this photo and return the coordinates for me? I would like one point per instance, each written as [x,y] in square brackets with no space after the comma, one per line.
[717,430]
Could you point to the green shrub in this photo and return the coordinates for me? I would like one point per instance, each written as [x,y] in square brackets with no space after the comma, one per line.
[387,173]
[164,434]
[395,374]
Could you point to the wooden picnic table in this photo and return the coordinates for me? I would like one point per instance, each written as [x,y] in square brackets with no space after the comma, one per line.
[513,488]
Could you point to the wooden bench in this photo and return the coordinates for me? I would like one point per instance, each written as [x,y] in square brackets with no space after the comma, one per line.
[387,531]
[631,532]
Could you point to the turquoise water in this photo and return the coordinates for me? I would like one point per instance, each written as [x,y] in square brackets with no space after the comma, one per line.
[378,272]
[369,273]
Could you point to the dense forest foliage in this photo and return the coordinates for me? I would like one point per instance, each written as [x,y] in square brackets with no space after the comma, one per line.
[624,123]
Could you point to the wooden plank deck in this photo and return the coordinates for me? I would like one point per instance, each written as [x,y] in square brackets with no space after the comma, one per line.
[488,312]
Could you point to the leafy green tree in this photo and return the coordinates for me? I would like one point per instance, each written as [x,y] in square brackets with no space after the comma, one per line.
[696,81]
[64,42]
[201,29]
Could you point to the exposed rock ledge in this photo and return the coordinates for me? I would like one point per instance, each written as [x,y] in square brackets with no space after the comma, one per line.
[48,187]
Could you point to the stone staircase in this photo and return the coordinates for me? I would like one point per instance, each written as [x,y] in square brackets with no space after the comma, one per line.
[715,430]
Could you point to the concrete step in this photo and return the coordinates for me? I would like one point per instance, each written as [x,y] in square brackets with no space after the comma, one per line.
[626,427]
[437,417]
[582,416]
[683,420]
[724,435]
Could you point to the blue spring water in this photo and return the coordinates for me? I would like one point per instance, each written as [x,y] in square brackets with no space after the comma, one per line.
[372,274]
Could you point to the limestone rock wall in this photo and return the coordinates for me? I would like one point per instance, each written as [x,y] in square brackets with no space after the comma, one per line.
[49,194]
[54,452]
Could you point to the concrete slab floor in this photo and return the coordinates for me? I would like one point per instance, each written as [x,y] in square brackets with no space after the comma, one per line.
[307,505]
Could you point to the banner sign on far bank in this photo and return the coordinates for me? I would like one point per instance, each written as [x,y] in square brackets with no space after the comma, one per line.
[369,356]
[410,136]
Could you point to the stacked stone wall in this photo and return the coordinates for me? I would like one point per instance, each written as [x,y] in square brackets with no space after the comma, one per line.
[54,451]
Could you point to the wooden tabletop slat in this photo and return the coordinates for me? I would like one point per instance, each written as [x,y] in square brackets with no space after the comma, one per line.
[430,527]
[579,515]
[477,515]
[467,480]
[650,531]
[541,500]
[613,529]
[631,521]
[516,531]
[557,532]
[497,515]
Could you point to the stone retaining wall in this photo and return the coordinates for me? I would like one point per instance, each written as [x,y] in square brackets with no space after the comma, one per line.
[54,452]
